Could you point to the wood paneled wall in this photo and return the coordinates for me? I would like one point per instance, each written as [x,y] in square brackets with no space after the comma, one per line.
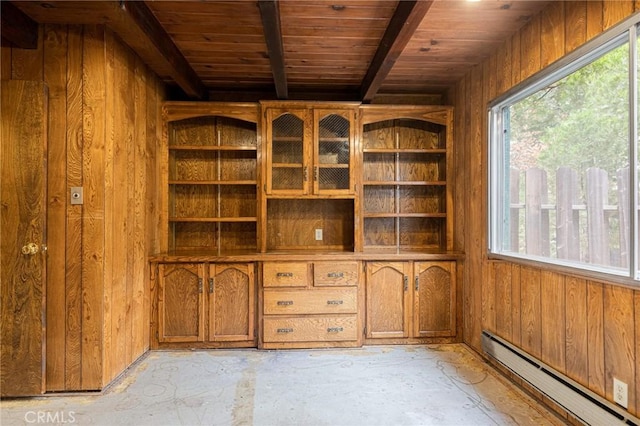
[104,112]
[589,330]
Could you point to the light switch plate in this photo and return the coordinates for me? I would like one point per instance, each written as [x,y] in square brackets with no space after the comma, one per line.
[319,234]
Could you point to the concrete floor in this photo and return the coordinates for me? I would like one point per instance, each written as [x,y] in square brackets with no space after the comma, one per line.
[376,385]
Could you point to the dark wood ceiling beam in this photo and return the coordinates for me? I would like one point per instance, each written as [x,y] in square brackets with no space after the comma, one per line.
[273,36]
[403,24]
[18,28]
[136,24]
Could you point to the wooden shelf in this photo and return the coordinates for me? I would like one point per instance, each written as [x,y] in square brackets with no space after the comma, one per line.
[333,166]
[403,151]
[211,148]
[287,165]
[403,183]
[333,140]
[213,219]
[394,215]
[213,182]
[294,139]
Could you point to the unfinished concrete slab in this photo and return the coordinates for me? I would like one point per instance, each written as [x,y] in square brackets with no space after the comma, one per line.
[377,385]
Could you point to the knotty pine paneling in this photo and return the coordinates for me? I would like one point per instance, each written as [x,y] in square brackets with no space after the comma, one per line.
[73,235]
[104,107]
[93,216]
[575,342]
[552,33]
[55,72]
[575,27]
[584,328]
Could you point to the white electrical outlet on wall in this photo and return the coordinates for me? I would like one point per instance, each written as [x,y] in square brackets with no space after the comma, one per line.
[620,395]
[319,234]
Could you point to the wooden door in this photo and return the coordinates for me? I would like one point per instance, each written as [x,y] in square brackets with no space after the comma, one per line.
[388,299]
[333,133]
[434,299]
[181,302]
[23,203]
[231,289]
[288,153]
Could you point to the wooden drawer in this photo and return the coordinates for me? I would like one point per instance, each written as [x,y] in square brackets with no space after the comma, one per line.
[335,274]
[311,329]
[318,301]
[285,274]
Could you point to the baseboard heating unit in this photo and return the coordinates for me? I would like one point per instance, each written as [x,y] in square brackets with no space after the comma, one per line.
[585,405]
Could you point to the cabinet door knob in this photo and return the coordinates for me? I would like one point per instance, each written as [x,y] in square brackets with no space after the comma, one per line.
[417,283]
[334,329]
[335,275]
[334,302]
[285,330]
[210,285]
[284,274]
[406,283]
[284,302]
[199,285]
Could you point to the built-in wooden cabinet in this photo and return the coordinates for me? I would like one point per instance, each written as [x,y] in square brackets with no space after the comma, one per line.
[311,304]
[307,193]
[410,300]
[212,177]
[181,302]
[202,302]
[406,195]
[310,176]
[309,149]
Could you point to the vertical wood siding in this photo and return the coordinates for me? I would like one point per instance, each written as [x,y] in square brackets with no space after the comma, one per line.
[104,107]
[589,330]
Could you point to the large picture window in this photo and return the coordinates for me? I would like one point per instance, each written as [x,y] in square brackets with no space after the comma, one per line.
[563,160]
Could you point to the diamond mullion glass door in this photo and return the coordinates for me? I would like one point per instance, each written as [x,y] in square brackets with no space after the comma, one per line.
[288,157]
[332,151]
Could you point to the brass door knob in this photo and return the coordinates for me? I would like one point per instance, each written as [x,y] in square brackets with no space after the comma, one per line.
[30,249]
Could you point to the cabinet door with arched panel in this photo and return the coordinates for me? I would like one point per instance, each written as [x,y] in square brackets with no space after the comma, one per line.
[388,299]
[231,289]
[181,302]
[434,299]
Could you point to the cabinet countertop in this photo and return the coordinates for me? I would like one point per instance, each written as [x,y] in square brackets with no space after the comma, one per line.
[249,256]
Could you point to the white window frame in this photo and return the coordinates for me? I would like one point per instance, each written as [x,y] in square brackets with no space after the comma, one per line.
[625,32]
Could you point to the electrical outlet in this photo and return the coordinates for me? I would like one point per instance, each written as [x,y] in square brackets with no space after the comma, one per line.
[620,393]
[319,234]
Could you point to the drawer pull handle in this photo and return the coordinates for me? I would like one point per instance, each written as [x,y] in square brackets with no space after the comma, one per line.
[334,302]
[284,302]
[284,274]
[334,329]
[335,275]
[285,330]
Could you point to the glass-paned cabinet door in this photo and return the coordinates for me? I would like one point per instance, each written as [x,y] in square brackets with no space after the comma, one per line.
[287,164]
[333,151]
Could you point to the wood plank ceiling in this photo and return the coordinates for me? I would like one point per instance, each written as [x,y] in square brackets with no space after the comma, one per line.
[300,49]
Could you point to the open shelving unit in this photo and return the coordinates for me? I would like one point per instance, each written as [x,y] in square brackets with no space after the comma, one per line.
[406,190]
[212,183]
